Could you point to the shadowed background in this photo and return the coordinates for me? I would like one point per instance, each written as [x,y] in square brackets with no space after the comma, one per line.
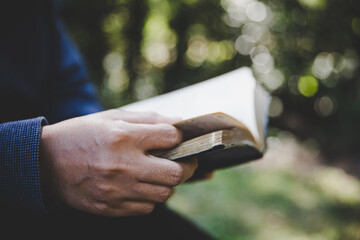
[305,52]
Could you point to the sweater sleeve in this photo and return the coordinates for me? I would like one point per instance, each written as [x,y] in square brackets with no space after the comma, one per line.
[69,92]
[19,163]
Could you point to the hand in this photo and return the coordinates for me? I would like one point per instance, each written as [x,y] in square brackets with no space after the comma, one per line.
[99,162]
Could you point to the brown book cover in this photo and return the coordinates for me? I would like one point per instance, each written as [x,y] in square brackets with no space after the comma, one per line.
[225,120]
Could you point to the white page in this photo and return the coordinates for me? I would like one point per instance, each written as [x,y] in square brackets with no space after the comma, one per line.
[231,93]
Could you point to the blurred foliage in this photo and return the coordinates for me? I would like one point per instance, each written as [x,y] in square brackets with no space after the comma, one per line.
[278,198]
[304,52]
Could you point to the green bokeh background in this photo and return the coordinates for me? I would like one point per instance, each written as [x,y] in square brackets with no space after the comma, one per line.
[304,52]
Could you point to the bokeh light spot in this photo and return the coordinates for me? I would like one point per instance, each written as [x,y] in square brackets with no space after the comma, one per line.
[324,106]
[313,4]
[256,11]
[355,25]
[113,62]
[308,86]
[273,80]
[243,45]
[158,54]
[197,51]
[323,65]
[276,107]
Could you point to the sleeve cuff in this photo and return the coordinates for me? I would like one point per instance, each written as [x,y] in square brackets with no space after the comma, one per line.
[19,163]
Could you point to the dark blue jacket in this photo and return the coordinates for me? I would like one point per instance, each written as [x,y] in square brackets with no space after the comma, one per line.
[42,80]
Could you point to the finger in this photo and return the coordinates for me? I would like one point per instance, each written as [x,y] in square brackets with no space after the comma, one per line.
[126,208]
[138,117]
[152,193]
[157,136]
[160,171]
[136,208]
[165,172]
[148,118]
[189,167]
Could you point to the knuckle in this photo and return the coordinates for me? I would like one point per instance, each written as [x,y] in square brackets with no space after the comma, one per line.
[165,194]
[134,208]
[113,111]
[101,208]
[148,208]
[170,133]
[177,176]
[122,135]
[104,189]
[119,132]
[111,138]
[152,115]
[104,169]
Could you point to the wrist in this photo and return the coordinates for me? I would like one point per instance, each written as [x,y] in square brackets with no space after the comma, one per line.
[46,161]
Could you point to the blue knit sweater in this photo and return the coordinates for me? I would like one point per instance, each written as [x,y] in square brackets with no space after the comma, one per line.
[42,80]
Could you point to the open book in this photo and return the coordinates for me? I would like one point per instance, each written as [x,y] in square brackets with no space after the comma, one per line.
[225,119]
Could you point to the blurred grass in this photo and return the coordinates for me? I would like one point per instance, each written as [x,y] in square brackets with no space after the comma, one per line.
[286,195]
